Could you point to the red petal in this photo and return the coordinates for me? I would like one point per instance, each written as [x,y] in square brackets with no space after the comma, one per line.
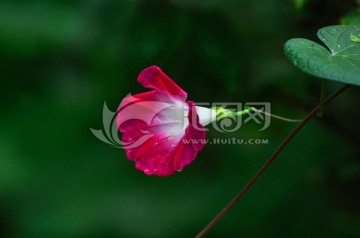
[153,77]
[192,142]
[163,155]
[138,111]
[155,156]
[153,136]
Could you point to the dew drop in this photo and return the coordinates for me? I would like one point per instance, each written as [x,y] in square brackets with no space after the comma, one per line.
[157,119]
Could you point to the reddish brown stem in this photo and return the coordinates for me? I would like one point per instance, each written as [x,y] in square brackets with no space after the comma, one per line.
[269,161]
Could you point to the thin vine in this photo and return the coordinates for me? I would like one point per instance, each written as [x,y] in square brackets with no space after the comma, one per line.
[306,119]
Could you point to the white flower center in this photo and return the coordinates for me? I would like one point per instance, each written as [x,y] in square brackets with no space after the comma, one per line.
[206,115]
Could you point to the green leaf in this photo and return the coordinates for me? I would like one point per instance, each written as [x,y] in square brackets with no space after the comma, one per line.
[340,61]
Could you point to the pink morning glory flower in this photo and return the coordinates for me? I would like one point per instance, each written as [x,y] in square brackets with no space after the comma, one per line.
[162,132]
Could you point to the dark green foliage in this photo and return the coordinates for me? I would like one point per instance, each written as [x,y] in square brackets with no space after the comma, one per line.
[60,60]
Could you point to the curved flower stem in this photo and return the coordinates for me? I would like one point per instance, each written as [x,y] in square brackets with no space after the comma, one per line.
[274,116]
[223,113]
[269,161]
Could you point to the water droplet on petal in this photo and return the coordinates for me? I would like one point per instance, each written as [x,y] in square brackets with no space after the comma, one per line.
[157,119]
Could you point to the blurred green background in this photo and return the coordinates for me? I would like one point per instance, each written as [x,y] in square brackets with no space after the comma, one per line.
[60,60]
